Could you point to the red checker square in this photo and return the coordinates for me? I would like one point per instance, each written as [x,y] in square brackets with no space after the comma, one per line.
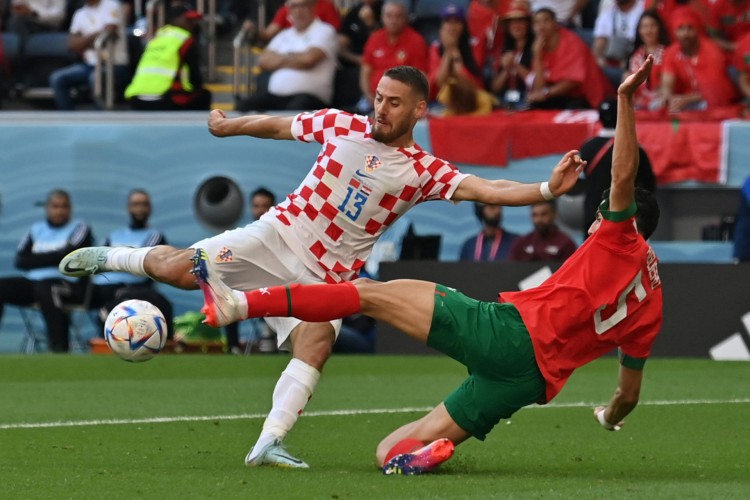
[323,190]
[294,210]
[388,201]
[334,167]
[340,131]
[319,136]
[435,166]
[319,171]
[331,280]
[329,120]
[283,219]
[334,232]
[372,226]
[329,149]
[318,249]
[358,126]
[329,211]
[407,193]
[311,211]
[340,268]
[354,183]
[306,192]
[389,220]
[358,264]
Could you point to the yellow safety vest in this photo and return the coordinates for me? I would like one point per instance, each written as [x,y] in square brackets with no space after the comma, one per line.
[160,64]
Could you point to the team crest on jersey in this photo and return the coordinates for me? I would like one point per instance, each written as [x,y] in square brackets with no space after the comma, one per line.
[371,163]
[225,255]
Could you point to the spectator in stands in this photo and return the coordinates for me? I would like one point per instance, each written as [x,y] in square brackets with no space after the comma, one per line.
[742,64]
[95,18]
[454,74]
[34,16]
[493,243]
[597,177]
[695,68]
[546,242]
[742,225]
[652,38]
[112,288]
[395,44]
[665,9]
[564,72]
[515,61]
[261,201]
[302,63]
[38,255]
[567,11]
[325,10]
[168,77]
[728,21]
[360,22]
[614,37]
[483,18]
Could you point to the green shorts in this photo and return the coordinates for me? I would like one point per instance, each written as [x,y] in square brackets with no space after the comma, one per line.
[491,340]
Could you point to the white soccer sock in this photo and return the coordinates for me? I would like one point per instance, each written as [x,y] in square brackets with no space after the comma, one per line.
[294,388]
[129,260]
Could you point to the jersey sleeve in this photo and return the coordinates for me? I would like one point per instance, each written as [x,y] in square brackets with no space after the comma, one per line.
[323,125]
[443,180]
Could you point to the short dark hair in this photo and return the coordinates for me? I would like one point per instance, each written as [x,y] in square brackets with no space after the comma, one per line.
[411,77]
[647,211]
[57,193]
[263,192]
[546,10]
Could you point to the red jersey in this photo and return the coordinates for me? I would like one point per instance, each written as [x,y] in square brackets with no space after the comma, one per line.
[705,73]
[606,295]
[730,19]
[325,10]
[572,60]
[409,49]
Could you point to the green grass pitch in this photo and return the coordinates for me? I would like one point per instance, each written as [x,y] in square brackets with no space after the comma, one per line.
[180,426]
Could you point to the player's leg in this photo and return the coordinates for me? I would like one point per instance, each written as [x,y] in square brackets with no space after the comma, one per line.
[162,263]
[311,347]
[435,425]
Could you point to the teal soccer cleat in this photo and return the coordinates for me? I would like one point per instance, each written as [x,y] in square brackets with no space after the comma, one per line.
[275,455]
[84,262]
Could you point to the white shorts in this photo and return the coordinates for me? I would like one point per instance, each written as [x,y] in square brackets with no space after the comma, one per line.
[256,256]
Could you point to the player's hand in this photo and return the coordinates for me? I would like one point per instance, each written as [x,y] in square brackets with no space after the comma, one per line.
[609,427]
[566,173]
[628,87]
[216,119]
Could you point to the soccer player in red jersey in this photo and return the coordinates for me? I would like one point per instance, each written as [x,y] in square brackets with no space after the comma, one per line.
[520,350]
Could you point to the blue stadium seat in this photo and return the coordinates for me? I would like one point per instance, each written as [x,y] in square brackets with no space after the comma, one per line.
[11,44]
[45,53]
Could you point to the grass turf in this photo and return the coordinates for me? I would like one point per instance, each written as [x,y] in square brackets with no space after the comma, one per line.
[671,447]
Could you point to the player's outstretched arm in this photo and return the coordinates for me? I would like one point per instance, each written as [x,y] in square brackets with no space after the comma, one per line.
[625,151]
[623,402]
[510,193]
[261,126]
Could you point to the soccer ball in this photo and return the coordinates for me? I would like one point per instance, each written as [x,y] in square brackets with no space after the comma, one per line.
[135,330]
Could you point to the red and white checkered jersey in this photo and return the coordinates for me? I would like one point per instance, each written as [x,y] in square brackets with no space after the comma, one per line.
[356,189]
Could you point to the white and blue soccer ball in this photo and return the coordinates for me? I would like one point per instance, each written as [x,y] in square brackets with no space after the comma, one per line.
[135,330]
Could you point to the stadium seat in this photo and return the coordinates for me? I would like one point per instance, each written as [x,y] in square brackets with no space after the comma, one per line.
[45,53]
[10,45]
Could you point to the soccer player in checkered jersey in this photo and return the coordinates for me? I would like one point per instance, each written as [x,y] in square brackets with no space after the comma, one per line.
[522,349]
[366,176]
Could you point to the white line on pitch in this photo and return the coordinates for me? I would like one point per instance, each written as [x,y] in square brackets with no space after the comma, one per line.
[331,413]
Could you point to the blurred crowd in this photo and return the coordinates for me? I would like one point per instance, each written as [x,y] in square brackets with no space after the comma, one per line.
[479,55]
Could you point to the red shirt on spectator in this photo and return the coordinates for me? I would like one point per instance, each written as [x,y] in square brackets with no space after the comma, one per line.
[665,8]
[649,91]
[730,19]
[572,60]
[705,73]
[380,54]
[484,25]
[325,10]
